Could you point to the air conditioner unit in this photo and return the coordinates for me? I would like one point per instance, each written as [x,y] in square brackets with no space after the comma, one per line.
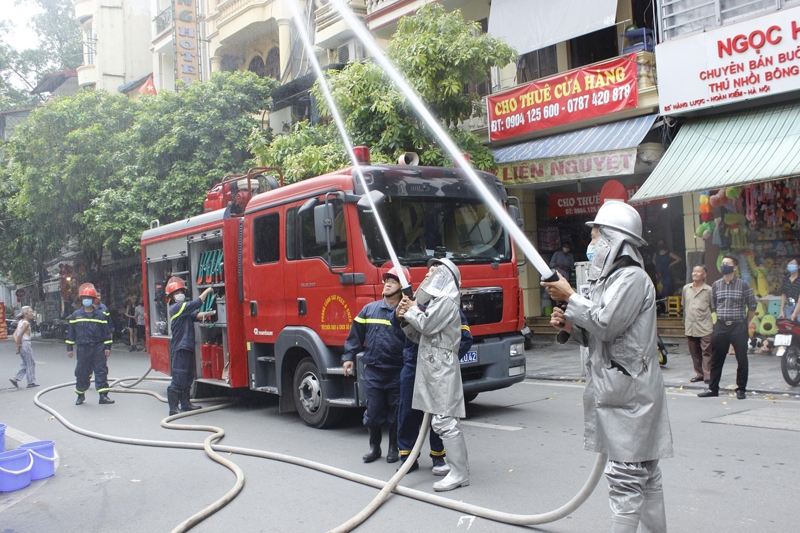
[352,50]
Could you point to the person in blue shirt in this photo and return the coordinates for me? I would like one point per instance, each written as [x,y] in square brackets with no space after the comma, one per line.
[90,332]
[182,316]
[373,332]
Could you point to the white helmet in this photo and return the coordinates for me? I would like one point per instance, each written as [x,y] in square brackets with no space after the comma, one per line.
[620,216]
[449,265]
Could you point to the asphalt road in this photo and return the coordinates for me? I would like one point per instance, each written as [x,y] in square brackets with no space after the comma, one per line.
[733,469]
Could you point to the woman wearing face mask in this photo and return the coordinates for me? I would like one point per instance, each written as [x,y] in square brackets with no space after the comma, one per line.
[790,292]
[182,315]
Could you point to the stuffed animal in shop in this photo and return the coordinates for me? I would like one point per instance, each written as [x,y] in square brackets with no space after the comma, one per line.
[737,230]
[718,199]
[744,268]
[705,230]
[753,326]
[716,240]
[761,310]
[768,326]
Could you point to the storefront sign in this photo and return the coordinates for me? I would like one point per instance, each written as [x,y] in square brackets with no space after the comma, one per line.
[580,94]
[187,51]
[751,59]
[618,163]
[565,205]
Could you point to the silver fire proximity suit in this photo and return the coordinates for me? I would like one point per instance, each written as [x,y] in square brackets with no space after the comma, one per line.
[624,401]
[437,385]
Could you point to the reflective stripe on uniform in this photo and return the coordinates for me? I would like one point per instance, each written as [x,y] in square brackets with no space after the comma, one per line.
[76,320]
[438,454]
[108,342]
[80,391]
[176,315]
[103,390]
[465,327]
[373,321]
[70,342]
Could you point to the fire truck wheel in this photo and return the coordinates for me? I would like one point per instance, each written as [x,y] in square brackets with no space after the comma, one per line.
[470,397]
[309,398]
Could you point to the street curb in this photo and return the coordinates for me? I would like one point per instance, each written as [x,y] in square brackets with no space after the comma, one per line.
[574,379]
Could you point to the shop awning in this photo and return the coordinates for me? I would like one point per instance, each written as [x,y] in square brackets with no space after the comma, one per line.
[733,149]
[603,138]
[533,24]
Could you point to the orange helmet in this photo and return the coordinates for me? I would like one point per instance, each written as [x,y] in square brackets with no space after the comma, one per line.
[175,284]
[393,273]
[88,290]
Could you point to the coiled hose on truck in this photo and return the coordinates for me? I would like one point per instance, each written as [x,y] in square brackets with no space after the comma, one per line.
[120,385]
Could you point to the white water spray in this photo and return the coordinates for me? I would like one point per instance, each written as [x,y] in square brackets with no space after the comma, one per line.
[366,38]
[299,20]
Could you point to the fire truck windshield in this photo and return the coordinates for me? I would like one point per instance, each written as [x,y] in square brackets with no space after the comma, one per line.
[462,229]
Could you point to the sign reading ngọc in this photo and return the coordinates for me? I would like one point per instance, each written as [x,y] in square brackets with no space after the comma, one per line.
[186,38]
[750,59]
[580,94]
[616,163]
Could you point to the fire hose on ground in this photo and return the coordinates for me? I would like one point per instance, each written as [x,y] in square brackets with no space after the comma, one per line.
[120,385]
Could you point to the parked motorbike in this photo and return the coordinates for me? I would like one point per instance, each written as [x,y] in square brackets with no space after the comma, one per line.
[787,341]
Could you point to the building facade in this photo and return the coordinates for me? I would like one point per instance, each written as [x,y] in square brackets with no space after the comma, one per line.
[116,42]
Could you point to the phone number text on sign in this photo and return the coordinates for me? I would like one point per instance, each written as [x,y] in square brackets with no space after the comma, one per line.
[580,94]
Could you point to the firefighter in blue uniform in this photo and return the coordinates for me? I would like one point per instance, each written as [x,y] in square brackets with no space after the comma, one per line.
[373,332]
[182,316]
[90,331]
[408,419]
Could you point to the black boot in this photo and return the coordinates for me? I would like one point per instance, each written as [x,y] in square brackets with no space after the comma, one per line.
[80,400]
[186,404]
[374,453]
[104,399]
[172,400]
[393,454]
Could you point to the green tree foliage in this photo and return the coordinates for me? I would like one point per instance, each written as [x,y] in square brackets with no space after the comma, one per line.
[181,144]
[97,168]
[60,48]
[441,56]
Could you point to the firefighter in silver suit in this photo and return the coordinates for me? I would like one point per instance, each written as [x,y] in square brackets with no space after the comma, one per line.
[625,405]
[437,384]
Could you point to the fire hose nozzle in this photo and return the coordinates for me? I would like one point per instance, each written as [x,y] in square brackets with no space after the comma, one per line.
[553,276]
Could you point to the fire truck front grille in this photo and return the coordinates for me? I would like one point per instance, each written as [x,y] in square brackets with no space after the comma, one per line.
[472,373]
[483,305]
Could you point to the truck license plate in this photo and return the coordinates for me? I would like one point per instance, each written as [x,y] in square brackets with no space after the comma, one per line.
[525,331]
[783,340]
[469,357]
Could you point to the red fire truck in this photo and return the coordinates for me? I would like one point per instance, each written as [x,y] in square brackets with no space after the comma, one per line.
[293,265]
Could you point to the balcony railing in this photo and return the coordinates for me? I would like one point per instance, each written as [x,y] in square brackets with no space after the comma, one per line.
[679,17]
[163,20]
[374,5]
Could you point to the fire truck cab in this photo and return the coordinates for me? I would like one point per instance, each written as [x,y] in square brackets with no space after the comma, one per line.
[294,268]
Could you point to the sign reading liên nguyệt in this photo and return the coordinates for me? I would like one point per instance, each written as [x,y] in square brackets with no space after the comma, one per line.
[580,94]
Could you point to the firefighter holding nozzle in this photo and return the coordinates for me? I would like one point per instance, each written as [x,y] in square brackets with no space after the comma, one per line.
[182,315]
[437,385]
[624,402]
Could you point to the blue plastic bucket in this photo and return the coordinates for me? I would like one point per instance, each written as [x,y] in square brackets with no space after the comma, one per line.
[15,470]
[44,458]
[2,438]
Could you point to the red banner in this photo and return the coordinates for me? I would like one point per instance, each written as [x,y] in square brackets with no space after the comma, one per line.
[587,203]
[579,94]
